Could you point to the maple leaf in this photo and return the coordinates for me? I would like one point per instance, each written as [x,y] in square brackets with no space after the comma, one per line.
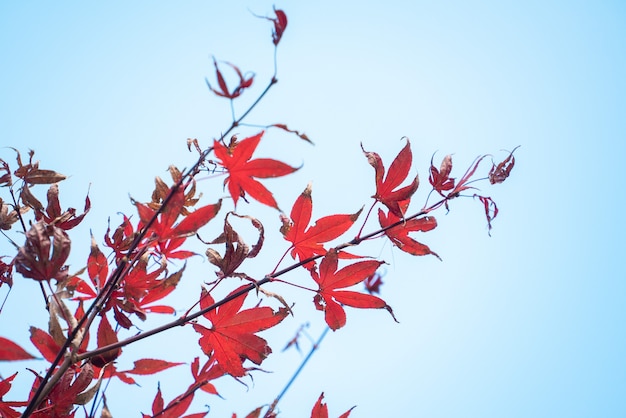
[284,127]
[280,23]
[202,376]
[147,366]
[121,239]
[231,338]
[244,82]
[6,407]
[372,283]
[6,275]
[32,174]
[53,214]
[175,408]
[491,210]
[43,255]
[235,158]
[499,173]
[8,215]
[106,336]
[306,241]
[236,249]
[329,297]
[163,227]
[396,200]
[9,351]
[320,409]
[440,179]
[168,238]
[69,391]
[399,234]
[5,179]
[44,343]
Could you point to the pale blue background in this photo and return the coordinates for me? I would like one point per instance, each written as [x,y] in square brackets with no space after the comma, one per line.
[527,323]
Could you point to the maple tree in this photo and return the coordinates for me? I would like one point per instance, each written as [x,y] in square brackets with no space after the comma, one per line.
[91,311]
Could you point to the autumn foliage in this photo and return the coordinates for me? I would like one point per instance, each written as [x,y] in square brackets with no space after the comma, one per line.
[130,271]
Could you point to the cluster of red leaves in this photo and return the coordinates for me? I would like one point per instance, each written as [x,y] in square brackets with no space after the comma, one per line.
[142,253]
[395,227]
[447,187]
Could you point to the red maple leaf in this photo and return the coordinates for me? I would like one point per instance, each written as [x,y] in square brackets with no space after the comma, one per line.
[399,234]
[440,179]
[244,82]
[169,237]
[202,376]
[6,407]
[69,391]
[9,351]
[306,241]
[373,283]
[235,158]
[231,338]
[320,409]
[329,298]
[280,24]
[174,409]
[396,200]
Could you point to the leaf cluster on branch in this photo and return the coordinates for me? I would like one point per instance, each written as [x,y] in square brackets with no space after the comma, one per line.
[90,312]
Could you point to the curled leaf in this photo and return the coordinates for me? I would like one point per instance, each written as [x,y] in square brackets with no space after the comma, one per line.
[499,173]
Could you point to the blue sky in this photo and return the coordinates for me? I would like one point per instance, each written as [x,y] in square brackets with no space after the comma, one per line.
[527,322]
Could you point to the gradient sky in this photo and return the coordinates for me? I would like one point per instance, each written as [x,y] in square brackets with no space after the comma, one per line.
[529,322]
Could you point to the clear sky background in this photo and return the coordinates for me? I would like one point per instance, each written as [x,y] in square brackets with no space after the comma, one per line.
[527,322]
